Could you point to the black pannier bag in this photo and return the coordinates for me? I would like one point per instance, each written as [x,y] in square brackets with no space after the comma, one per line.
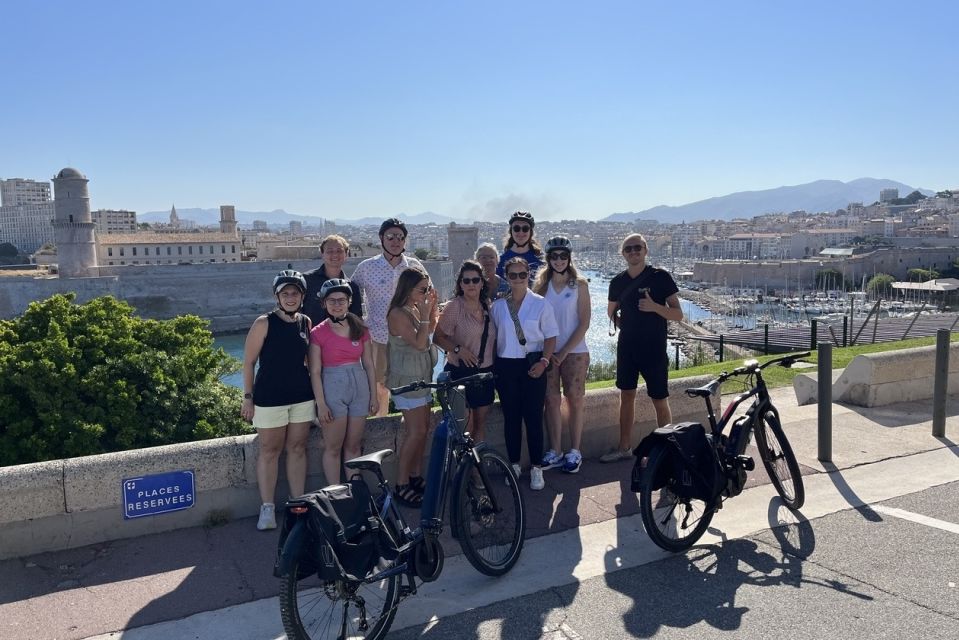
[350,538]
[694,468]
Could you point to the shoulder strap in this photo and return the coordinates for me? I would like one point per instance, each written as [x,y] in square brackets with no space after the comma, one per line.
[514,314]
[641,279]
[479,356]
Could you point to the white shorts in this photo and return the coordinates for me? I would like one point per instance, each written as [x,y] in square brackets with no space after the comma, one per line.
[275,417]
[405,404]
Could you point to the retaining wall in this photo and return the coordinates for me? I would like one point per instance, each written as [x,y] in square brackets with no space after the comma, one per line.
[878,379]
[70,503]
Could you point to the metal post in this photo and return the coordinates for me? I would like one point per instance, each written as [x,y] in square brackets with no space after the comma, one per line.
[825,401]
[812,334]
[766,339]
[722,347]
[940,384]
[677,355]
[845,330]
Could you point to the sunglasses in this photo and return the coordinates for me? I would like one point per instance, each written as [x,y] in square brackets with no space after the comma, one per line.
[518,275]
[521,228]
[559,255]
[338,300]
[394,236]
[633,247]
[475,280]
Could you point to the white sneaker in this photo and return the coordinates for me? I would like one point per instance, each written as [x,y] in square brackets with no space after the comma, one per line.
[267,517]
[517,471]
[552,460]
[536,481]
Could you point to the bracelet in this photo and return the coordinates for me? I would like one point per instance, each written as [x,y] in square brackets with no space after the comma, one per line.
[544,359]
[423,321]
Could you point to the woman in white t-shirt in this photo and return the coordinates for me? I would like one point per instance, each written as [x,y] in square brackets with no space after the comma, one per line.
[568,294]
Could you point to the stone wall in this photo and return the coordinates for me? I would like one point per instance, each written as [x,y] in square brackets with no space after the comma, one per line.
[791,273]
[63,504]
[230,295]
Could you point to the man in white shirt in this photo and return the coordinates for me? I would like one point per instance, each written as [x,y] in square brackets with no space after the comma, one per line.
[377,277]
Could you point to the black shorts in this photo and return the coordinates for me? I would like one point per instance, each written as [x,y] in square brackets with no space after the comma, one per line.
[633,361]
[478,394]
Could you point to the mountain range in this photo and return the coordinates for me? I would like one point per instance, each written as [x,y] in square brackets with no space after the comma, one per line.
[821,195]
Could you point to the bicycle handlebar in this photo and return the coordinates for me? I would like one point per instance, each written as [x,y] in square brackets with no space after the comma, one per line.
[752,366]
[424,384]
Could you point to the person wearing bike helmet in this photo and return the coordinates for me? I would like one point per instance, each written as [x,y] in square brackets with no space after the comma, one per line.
[341,371]
[642,299]
[377,277]
[279,399]
[520,243]
[335,250]
[568,293]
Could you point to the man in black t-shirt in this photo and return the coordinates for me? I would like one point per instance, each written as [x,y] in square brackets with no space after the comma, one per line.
[335,250]
[641,301]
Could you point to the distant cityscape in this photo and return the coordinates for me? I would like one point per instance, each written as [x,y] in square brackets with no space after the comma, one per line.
[27,212]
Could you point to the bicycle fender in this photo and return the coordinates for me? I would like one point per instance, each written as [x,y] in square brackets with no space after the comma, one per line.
[294,547]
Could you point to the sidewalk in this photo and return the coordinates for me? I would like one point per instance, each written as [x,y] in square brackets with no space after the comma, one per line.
[144,581]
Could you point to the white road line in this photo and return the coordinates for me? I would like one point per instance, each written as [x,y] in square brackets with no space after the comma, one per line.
[918,518]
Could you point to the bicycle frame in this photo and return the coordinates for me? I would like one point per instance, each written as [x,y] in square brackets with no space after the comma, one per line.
[760,405]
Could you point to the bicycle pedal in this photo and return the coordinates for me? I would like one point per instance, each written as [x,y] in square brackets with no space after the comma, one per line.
[746,462]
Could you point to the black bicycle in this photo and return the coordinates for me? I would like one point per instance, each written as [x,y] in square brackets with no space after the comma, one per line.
[683,474]
[488,517]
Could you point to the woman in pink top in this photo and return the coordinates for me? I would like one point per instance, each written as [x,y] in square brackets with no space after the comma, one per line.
[342,375]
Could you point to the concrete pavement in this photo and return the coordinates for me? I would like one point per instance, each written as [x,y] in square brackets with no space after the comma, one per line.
[217,582]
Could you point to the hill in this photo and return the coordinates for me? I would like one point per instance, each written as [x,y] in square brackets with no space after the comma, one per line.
[821,195]
[206,217]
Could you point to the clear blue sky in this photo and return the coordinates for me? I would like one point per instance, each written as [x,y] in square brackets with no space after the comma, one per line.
[570,109]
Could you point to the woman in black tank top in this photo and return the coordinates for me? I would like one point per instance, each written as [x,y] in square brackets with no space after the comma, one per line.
[279,400]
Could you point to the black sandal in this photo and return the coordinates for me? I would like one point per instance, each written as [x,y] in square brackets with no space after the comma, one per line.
[407,496]
[418,484]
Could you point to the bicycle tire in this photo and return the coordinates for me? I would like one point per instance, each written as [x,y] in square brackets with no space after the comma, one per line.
[780,461]
[665,515]
[313,609]
[492,542]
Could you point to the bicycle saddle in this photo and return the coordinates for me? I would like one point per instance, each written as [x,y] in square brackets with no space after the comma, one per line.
[370,461]
[704,391]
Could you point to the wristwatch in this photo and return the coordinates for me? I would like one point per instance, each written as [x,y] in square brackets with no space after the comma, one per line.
[456,349]
[247,396]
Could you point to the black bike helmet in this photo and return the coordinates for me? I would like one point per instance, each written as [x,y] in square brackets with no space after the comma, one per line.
[559,243]
[336,284]
[524,216]
[393,222]
[289,276]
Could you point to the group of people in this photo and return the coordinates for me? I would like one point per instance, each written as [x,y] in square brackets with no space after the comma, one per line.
[521,314]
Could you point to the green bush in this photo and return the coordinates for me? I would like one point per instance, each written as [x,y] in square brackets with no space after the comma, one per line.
[81,379]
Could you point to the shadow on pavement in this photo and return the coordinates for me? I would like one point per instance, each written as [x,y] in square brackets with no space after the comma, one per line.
[700,586]
[849,495]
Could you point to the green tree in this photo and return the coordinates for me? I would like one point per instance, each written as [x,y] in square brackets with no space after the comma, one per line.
[880,284]
[422,254]
[7,250]
[80,379]
[922,275]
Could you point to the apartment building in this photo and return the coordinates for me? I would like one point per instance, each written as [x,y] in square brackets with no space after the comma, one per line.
[110,221]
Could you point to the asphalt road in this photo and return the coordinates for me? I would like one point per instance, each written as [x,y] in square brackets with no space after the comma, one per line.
[859,573]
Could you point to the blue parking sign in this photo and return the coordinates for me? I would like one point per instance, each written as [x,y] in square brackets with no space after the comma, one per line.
[158,493]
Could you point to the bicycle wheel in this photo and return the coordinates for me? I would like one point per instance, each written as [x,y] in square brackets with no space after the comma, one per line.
[492,539]
[673,523]
[314,609]
[780,462]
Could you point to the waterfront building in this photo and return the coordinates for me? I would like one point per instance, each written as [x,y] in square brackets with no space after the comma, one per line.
[168,248]
[27,226]
[15,192]
[109,221]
